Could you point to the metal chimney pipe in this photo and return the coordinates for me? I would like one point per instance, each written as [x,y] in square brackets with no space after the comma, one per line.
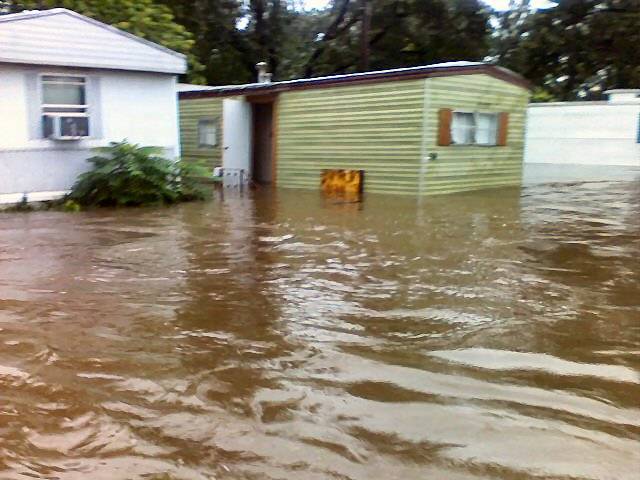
[263,75]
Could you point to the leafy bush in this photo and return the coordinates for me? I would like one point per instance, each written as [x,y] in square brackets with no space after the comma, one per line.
[126,174]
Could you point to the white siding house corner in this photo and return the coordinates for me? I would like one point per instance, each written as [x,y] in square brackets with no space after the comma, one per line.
[118,87]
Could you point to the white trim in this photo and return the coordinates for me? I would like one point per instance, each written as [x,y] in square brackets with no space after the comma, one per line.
[635,91]
[14,198]
[424,156]
[168,71]
[65,114]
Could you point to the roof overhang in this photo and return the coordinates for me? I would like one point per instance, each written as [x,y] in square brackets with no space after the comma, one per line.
[36,38]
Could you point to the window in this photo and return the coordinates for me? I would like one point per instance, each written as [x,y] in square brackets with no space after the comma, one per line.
[474,128]
[463,128]
[64,106]
[207,133]
[63,94]
[486,128]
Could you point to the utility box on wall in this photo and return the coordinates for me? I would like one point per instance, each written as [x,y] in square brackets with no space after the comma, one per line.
[342,182]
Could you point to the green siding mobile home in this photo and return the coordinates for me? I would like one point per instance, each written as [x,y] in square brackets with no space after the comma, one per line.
[412,131]
[194,114]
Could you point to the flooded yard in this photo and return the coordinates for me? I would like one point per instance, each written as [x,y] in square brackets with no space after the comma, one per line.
[490,335]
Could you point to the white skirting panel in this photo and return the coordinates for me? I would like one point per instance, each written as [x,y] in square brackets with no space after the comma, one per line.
[13,198]
[42,170]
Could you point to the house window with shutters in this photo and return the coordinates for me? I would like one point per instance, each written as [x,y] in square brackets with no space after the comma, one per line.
[472,128]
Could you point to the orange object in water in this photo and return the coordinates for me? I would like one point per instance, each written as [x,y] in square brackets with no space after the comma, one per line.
[342,182]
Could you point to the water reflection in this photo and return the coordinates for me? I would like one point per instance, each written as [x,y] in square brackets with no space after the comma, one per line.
[282,335]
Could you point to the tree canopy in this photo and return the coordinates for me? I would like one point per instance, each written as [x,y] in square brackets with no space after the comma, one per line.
[145,18]
[576,49]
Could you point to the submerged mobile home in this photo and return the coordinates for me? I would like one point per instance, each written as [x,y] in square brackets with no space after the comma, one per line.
[423,130]
[69,83]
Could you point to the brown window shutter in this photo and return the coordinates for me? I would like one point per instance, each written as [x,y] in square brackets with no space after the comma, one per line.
[503,129]
[444,126]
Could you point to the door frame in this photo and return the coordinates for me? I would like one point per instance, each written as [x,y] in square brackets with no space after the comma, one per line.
[273,99]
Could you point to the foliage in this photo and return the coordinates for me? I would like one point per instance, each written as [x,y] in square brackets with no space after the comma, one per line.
[144,18]
[578,49]
[71,206]
[540,95]
[575,49]
[124,174]
[231,36]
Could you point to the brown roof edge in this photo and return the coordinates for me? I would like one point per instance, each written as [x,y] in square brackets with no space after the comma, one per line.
[500,73]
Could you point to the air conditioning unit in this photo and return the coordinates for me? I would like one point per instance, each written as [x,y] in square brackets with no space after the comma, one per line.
[66,127]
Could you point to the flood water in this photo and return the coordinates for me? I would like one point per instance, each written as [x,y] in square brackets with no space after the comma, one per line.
[491,335]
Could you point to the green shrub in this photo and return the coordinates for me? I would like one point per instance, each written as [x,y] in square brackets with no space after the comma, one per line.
[71,206]
[124,174]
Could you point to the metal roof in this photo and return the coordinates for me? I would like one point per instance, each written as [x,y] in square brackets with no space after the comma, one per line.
[423,71]
[59,36]
[191,87]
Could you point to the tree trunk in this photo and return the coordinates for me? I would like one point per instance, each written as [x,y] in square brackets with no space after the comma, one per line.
[364,35]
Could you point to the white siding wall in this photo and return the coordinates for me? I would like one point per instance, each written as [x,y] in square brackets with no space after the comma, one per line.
[142,108]
[13,108]
[139,107]
[596,133]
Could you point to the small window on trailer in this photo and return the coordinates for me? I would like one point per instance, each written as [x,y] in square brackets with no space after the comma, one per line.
[207,133]
[472,128]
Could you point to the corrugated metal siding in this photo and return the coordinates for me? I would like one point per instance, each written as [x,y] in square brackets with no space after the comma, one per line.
[69,39]
[376,128]
[190,112]
[460,168]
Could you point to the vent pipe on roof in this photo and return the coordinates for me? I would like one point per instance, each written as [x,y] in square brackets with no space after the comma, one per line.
[263,75]
[624,95]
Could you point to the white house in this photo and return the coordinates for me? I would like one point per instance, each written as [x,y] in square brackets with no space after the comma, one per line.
[587,134]
[69,83]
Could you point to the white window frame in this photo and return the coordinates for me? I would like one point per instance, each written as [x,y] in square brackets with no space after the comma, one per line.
[214,123]
[495,115]
[62,108]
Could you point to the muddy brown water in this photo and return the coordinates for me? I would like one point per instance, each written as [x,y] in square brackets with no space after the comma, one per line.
[281,336]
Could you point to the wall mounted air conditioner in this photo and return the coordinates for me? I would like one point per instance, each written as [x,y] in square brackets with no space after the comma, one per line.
[66,127]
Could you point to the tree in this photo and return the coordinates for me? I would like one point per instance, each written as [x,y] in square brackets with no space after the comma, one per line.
[143,18]
[219,45]
[577,49]
[400,33]
[232,36]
